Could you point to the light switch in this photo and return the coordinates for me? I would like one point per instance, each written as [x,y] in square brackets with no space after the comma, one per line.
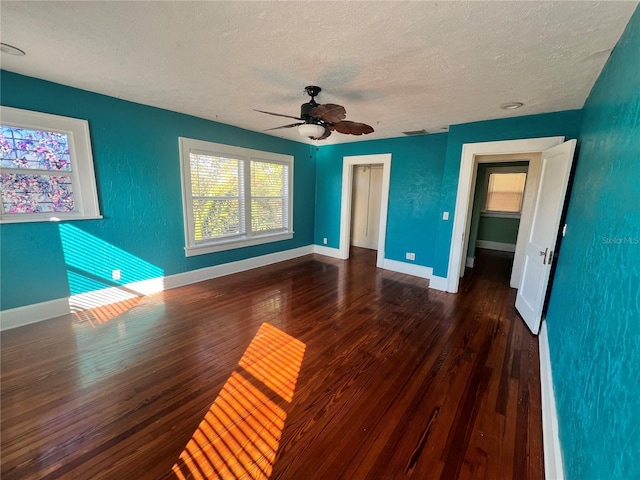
[445,215]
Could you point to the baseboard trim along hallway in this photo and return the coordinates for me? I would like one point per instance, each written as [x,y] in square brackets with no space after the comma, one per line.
[552,453]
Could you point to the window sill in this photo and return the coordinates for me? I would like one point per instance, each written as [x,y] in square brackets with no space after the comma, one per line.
[38,217]
[500,215]
[221,246]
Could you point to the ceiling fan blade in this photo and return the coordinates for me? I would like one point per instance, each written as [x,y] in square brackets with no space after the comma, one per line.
[285,126]
[277,114]
[352,128]
[329,112]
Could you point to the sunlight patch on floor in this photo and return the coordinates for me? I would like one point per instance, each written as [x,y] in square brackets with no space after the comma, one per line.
[240,434]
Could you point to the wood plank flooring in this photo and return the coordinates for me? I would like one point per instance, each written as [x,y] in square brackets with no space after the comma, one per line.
[314,368]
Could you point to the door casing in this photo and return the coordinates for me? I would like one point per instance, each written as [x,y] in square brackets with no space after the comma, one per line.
[345,209]
[466,188]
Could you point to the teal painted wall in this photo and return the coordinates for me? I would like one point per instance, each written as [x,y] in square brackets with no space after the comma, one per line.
[424,182]
[565,123]
[135,149]
[594,311]
[494,229]
[414,192]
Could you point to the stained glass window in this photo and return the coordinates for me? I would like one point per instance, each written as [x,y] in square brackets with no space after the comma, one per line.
[34,149]
[36,193]
[42,153]
[46,168]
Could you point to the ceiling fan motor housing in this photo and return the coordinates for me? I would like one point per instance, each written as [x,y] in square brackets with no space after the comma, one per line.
[305,108]
[305,112]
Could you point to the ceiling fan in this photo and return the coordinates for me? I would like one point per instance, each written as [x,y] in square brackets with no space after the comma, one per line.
[317,121]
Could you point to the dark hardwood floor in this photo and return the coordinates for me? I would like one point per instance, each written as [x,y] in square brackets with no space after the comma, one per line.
[313,368]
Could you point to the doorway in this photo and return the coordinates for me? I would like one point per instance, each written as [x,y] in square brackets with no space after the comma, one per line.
[465,196]
[348,165]
[494,224]
[365,206]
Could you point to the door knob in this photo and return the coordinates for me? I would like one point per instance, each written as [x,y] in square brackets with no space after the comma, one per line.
[544,254]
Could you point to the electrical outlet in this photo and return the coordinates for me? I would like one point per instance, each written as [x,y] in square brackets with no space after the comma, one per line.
[116,274]
[324,240]
[411,256]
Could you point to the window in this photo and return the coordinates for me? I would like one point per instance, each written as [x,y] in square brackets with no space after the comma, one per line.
[46,168]
[234,197]
[505,190]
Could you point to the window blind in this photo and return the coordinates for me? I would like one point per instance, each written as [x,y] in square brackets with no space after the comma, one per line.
[217,189]
[505,192]
[269,196]
[234,197]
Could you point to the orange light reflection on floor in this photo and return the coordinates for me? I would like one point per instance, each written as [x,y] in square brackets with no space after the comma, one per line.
[240,434]
[96,316]
[274,358]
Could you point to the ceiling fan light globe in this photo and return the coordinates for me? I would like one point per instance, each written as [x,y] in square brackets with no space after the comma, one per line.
[311,130]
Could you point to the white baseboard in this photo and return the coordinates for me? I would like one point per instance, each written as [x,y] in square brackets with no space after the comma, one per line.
[408,268]
[387,264]
[439,283]
[17,317]
[207,273]
[502,247]
[553,468]
[20,316]
[471,262]
[328,251]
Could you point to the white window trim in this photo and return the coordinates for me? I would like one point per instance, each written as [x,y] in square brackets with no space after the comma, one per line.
[187,145]
[82,174]
[495,213]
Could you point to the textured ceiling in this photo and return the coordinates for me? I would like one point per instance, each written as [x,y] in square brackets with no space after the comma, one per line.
[398,66]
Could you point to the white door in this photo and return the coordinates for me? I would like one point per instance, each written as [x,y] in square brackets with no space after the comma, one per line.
[375,196]
[543,233]
[360,205]
[365,206]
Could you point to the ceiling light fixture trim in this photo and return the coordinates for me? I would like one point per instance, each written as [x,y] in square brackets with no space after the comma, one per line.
[11,50]
[511,105]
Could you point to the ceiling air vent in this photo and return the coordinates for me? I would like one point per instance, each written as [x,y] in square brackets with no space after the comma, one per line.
[416,132]
[427,132]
